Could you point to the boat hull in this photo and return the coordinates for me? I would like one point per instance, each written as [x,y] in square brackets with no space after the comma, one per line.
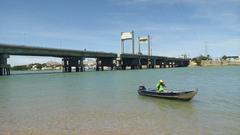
[179,95]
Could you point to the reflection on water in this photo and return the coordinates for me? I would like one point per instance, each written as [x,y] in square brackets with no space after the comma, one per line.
[177,115]
[108,103]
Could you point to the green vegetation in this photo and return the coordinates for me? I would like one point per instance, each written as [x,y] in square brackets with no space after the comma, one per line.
[21,67]
[224,57]
[36,66]
[199,59]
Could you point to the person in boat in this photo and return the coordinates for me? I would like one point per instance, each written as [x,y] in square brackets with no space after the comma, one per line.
[160,86]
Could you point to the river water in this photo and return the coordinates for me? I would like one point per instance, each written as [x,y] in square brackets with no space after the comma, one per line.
[104,103]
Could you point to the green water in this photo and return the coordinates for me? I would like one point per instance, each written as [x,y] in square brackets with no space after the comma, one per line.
[107,102]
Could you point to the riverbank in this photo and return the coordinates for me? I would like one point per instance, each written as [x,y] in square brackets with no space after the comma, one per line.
[206,63]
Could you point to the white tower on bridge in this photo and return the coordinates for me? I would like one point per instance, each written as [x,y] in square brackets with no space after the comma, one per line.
[127,36]
[144,40]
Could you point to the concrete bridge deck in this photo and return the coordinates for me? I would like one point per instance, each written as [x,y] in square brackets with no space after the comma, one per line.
[74,58]
[52,52]
[127,55]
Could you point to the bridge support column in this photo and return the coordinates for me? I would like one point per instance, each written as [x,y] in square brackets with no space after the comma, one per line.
[163,65]
[65,64]
[105,62]
[81,65]
[69,69]
[169,64]
[77,69]
[154,63]
[4,67]
[98,62]
[69,62]
[173,65]
[123,67]
[65,69]
[151,63]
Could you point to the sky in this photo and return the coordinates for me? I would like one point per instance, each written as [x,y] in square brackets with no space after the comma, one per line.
[176,26]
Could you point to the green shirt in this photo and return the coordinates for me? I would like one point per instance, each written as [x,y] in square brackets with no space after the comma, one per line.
[160,87]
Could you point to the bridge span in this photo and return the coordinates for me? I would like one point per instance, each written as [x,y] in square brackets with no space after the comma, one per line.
[74,58]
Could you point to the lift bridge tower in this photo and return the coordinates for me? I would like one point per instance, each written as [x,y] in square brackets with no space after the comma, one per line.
[143,41]
[127,36]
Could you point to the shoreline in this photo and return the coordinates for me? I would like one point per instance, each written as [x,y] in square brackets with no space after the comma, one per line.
[212,63]
[193,66]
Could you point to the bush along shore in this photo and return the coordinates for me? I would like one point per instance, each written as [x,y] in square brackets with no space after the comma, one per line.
[37,66]
[208,61]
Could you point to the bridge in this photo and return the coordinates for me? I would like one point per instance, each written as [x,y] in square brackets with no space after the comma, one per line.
[137,61]
[74,58]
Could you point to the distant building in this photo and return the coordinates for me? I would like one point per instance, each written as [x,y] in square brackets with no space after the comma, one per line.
[233,58]
[89,63]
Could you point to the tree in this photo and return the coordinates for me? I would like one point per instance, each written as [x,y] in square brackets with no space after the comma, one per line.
[38,66]
[21,67]
[199,59]
[224,57]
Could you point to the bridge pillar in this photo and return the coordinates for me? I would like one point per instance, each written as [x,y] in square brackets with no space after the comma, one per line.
[65,63]
[169,64]
[154,63]
[4,67]
[102,62]
[102,68]
[163,65]
[124,67]
[161,62]
[77,69]
[70,62]
[98,62]
[81,65]
[151,63]
[69,69]
[173,64]
[133,63]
